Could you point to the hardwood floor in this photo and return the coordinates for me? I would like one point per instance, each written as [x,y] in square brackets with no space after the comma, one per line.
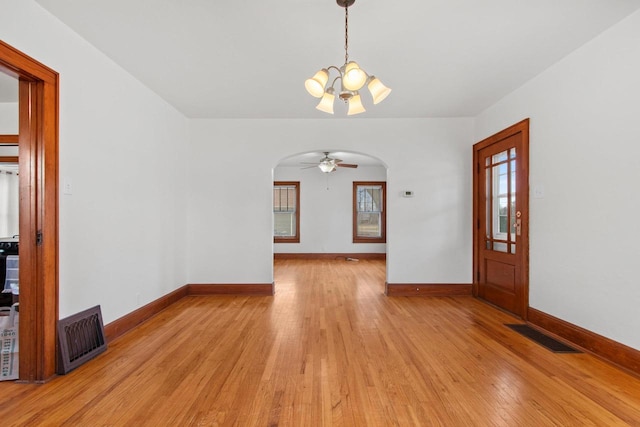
[329,349]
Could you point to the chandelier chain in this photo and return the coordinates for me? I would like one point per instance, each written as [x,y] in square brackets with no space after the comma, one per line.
[346,34]
[351,79]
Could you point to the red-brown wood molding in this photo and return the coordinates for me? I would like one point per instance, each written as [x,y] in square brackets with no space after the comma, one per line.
[9,139]
[335,256]
[250,289]
[605,348]
[427,289]
[129,321]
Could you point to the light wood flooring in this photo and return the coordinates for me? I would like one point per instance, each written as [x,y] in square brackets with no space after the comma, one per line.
[329,349]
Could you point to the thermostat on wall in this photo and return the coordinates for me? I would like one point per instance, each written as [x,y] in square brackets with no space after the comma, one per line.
[407,193]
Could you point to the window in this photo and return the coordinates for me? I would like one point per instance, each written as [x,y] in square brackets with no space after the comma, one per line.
[286,212]
[369,213]
[501,201]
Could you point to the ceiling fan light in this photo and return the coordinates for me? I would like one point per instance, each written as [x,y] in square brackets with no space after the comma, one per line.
[355,105]
[378,90]
[326,103]
[315,85]
[327,166]
[353,78]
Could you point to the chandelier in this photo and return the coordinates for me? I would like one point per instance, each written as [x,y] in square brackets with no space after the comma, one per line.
[352,79]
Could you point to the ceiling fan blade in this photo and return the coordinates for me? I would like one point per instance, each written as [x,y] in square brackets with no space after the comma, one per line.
[309,167]
[337,160]
[346,165]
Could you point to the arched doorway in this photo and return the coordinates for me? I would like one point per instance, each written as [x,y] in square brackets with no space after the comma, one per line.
[326,205]
[38,148]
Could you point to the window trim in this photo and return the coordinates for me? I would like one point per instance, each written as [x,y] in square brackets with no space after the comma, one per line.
[383,216]
[296,238]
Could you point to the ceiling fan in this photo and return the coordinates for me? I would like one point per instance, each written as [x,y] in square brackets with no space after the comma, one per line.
[328,164]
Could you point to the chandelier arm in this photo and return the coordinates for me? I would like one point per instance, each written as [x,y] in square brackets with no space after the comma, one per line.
[352,79]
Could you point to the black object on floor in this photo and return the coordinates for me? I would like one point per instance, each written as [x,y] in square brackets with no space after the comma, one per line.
[6,300]
[542,339]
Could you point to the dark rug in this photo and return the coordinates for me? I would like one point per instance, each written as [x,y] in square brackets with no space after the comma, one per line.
[542,339]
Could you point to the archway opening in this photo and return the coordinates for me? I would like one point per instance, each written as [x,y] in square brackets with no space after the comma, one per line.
[329,199]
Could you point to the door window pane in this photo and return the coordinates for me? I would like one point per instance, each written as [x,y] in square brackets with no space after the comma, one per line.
[500,246]
[500,157]
[500,171]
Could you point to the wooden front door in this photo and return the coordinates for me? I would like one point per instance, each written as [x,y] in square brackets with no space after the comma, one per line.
[501,219]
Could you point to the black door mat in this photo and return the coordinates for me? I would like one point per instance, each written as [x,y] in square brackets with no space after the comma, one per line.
[542,339]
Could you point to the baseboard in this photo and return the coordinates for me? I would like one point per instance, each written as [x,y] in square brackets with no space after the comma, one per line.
[129,321]
[612,351]
[427,289]
[331,256]
[253,289]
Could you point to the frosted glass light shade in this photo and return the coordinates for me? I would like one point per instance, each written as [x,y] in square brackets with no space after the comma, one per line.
[355,105]
[326,103]
[315,85]
[354,78]
[378,91]
[327,166]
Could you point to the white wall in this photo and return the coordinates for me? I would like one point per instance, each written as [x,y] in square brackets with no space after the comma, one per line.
[231,166]
[326,210]
[9,118]
[9,200]
[125,230]
[8,183]
[123,234]
[9,195]
[585,151]
[122,148]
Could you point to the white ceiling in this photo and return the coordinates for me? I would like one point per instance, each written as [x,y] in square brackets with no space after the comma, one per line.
[249,59]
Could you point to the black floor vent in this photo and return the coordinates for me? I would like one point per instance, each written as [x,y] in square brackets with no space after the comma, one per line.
[542,339]
[80,338]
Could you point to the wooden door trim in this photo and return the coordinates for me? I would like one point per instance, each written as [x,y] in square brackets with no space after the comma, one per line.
[38,141]
[520,127]
[9,139]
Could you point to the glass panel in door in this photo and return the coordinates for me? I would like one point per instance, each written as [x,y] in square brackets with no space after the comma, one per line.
[502,217]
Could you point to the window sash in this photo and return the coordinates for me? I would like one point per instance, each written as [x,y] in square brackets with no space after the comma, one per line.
[369,218]
[286,212]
